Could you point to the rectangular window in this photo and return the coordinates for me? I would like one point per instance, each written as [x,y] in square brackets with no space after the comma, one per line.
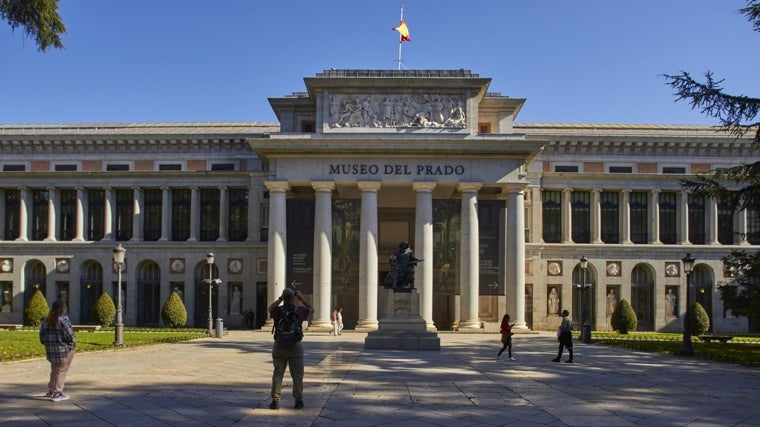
[96,214]
[581,216]
[116,167]
[153,202]
[40,207]
[125,209]
[696,220]
[753,224]
[12,210]
[14,168]
[610,207]
[674,169]
[484,128]
[565,168]
[639,217]
[223,167]
[68,214]
[238,215]
[725,224]
[668,218]
[621,169]
[264,222]
[181,214]
[307,126]
[65,168]
[552,216]
[209,214]
[170,166]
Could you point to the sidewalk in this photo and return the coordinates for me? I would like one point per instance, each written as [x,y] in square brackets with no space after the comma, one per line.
[226,381]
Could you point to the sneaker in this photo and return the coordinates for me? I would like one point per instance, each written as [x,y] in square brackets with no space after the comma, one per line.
[275,404]
[59,397]
[569,361]
[299,404]
[512,358]
[48,394]
[555,360]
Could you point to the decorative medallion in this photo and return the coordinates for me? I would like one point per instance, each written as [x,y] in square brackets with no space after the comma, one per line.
[672,269]
[62,265]
[6,265]
[613,268]
[177,265]
[235,266]
[554,268]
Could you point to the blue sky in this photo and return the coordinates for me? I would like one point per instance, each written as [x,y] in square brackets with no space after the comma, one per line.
[583,61]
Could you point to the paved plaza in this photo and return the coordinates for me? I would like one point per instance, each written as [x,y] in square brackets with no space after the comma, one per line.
[226,381]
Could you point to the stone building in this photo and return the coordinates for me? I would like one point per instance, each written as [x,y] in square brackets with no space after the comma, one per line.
[501,212]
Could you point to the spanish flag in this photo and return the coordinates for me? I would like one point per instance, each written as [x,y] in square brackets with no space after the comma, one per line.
[403,31]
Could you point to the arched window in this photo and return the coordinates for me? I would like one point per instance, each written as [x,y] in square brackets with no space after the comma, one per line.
[642,296]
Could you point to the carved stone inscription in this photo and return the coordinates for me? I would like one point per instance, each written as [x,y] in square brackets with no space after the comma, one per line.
[383,111]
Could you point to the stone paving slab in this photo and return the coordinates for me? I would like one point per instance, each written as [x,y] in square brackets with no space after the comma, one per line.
[226,382]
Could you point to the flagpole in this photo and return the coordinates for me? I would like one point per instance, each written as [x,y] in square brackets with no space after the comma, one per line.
[400,41]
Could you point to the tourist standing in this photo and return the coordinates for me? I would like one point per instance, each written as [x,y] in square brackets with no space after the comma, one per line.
[288,354]
[339,315]
[506,337]
[565,337]
[57,335]
[334,320]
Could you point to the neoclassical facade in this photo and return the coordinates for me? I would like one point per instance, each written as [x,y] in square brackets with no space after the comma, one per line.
[500,211]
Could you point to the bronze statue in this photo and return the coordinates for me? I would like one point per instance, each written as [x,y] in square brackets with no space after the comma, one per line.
[401,276]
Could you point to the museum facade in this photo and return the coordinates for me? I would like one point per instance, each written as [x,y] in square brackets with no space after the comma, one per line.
[500,212]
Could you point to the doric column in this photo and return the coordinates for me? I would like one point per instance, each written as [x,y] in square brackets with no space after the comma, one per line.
[23,215]
[137,214]
[276,270]
[368,257]
[166,213]
[711,216]
[654,217]
[51,219]
[254,198]
[469,278]
[625,217]
[108,214]
[423,241]
[740,237]
[223,214]
[79,218]
[682,213]
[567,216]
[195,214]
[515,251]
[596,216]
[322,252]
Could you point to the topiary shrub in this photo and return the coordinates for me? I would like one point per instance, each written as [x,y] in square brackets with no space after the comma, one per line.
[174,313]
[624,318]
[104,310]
[699,320]
[36,310]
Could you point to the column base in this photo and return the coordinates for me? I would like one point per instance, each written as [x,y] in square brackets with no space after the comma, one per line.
[470,325]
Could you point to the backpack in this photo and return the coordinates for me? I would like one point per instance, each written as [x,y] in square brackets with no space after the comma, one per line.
[287,331]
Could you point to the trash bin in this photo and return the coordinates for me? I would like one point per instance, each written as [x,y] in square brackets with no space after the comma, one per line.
[219,328]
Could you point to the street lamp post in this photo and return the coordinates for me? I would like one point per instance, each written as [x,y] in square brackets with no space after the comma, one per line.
[211,282]
[118,258]
[586,326]
[688,265]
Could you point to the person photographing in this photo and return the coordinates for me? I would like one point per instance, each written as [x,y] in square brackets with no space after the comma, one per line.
[288,313]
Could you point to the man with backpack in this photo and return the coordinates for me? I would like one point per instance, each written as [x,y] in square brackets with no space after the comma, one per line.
[287,350]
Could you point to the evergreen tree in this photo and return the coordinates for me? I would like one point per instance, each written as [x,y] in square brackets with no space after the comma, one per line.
[738,186]
[700,321]
[105,310]
[36,310]
[39,19]
[174,313]
[624,318]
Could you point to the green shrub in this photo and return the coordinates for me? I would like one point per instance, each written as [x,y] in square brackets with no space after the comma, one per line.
[36,310]
[174,313]
[699,320]
[624,318]
[104,310]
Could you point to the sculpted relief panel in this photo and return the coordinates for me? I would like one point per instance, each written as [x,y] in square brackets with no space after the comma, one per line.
[385,111]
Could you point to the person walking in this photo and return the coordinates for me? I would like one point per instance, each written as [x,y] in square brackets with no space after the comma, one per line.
[287,351]
[57,335]
[334,319]
[565,337]
[506,337]
[339,315]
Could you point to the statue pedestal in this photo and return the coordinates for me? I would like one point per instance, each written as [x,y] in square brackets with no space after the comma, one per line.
[402,328]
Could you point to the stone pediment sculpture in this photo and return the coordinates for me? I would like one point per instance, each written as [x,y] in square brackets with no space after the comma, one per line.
[400,111]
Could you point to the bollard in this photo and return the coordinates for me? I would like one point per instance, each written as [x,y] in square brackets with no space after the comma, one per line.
[219,327]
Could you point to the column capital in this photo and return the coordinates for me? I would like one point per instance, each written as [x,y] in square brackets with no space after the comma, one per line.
[469,186]
[369,185]
[513,188]
[423,186]
[323,185]
[277,185]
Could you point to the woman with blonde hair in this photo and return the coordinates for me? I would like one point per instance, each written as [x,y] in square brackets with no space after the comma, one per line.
[57,335]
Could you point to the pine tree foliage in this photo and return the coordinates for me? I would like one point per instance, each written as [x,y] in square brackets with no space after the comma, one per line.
[174,313]
[742,294]
[624,319]
[39,19]
[36,310]
[105,310]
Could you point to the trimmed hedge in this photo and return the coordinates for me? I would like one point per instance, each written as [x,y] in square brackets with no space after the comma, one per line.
[174,313]
[104,310]
[36,310]
[624,319]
